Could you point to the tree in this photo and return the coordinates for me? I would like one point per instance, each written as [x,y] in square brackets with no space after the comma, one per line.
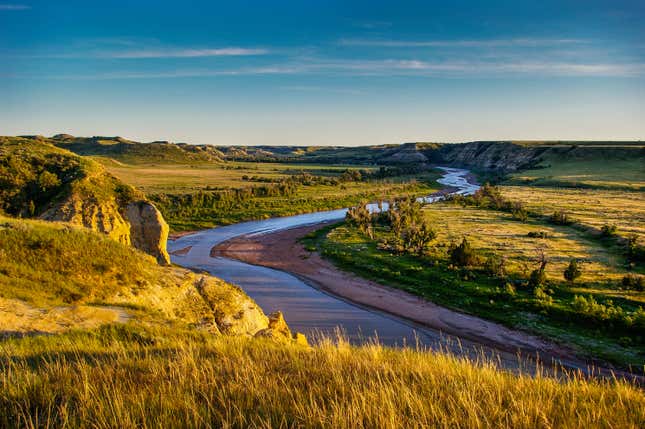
[572,272]
[416,238]
[463,255]
[495,266]
[47,180]
[537,278]
[560,217]
[361,217]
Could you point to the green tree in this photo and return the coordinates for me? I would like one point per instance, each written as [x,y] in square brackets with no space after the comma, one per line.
[572,272]
[47,181]
[463,255]
[417,237]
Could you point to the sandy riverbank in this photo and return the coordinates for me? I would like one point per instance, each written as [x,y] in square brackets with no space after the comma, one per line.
[281,250]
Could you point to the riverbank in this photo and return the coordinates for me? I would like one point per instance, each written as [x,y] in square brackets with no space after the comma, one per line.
[282,250]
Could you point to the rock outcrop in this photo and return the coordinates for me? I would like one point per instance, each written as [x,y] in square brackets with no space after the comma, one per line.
[137,223]
[491,156]
[148,230]
[38,179]
[278,330]
[98,216]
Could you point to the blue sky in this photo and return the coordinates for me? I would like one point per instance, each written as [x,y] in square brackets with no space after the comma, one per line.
[323,72]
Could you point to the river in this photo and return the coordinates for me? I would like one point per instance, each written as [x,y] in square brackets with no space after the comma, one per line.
[307,309]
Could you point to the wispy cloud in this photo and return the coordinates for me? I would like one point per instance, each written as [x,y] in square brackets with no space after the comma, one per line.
[310,88]
[14,6]
[478,68]
[386,68]
[185,53]
[183,73]
[484,43]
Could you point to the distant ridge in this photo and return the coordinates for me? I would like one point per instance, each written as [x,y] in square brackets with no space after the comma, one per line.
[502,156]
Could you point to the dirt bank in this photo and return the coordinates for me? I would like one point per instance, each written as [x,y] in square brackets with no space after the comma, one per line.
[281,250]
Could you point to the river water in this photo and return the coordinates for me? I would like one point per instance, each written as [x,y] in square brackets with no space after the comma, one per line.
[305,308]
[315,313]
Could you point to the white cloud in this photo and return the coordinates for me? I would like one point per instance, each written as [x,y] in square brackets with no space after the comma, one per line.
[392,67]
[14,7]
[484,43]
[185,53]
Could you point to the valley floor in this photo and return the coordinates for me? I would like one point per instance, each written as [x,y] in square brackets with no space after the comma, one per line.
[282,250]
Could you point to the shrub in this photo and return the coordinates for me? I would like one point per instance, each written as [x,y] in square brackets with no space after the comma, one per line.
[509,289]
[495,266]
[542,297]
[48,180]
[417,238]
[518,211]
[538,234]
[633,281]
[608,230]
[360,216]
[560,217]
[463,255]
[537,279]
[592,308]
[572,272]
[635,252]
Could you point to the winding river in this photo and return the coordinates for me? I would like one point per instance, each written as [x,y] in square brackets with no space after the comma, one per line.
[316,313]
[307,309]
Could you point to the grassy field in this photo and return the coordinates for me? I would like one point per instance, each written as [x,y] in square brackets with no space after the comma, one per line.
[594,208]
[130,376]
[495,232]
[595,172]
[178,189]
[153,178]
[555,313]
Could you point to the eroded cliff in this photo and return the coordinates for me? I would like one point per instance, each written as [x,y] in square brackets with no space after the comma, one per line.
[38,179]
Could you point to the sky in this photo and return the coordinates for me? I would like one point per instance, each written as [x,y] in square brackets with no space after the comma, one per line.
[323,72]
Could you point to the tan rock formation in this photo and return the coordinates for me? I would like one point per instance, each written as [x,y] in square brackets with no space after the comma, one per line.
[148,230]
[90,213]
[278,329]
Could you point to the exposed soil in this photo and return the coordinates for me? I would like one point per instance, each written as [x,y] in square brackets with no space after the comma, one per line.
[175,235]
[281,250]
[182,251]
[18,318]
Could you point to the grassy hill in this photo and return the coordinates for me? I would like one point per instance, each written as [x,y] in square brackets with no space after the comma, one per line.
[38,179]
[71,276]
[141,345]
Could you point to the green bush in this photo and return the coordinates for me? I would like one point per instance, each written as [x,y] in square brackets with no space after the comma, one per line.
[572,272]
[608,230]
[634,281]
[463,255]
[495,266]
[560,217]
[537,278]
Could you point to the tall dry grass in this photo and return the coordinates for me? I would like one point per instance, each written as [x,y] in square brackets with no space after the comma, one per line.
[133,377]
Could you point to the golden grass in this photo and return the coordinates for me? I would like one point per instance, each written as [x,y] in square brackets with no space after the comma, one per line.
[595,208]
[497,233]
[623,173]
[152,379]
[181,178]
